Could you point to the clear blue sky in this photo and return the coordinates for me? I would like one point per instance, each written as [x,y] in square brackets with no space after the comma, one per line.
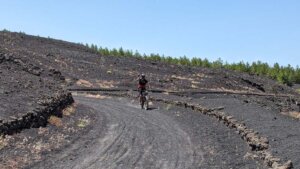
[234,30]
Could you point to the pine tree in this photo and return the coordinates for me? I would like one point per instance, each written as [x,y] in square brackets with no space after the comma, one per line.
[137,54]
[121,52]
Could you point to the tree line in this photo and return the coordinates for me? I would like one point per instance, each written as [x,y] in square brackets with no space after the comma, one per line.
[284,74]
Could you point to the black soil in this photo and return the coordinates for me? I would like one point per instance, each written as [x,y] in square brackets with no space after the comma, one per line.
[76,62]
[108,133]
[24,86]
[161,138]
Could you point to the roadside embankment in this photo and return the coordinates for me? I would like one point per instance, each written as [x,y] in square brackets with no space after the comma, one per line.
[29,94]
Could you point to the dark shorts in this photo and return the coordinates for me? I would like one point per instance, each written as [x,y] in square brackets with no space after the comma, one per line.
[141,90]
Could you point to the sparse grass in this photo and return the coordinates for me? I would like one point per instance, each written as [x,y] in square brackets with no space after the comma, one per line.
[106,84]
[169,106]
[84,83]
[61,63]
[97,96]
[194,86]
[69,110]
[181,78]
[83,122]
[43,130]
[293,114]
[298,90]
[200,75]
[38,146]
[56,121]
[3,142]
[195,82]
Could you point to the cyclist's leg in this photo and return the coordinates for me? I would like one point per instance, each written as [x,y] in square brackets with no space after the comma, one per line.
[140,95]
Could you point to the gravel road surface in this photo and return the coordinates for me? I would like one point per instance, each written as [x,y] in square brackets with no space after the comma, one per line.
[164,137]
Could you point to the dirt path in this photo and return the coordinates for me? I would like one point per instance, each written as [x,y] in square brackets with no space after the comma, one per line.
[127,137]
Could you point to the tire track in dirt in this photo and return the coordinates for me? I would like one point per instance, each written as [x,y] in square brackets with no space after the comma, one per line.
[128,137]
[136,139]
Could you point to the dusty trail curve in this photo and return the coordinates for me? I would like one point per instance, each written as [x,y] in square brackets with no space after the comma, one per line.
[127,137]
[136,139]
[131,139]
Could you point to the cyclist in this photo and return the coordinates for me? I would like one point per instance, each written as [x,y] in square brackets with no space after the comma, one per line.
[142,83]
[142,90]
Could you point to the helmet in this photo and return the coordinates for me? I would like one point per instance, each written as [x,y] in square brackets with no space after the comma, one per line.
[142,75]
